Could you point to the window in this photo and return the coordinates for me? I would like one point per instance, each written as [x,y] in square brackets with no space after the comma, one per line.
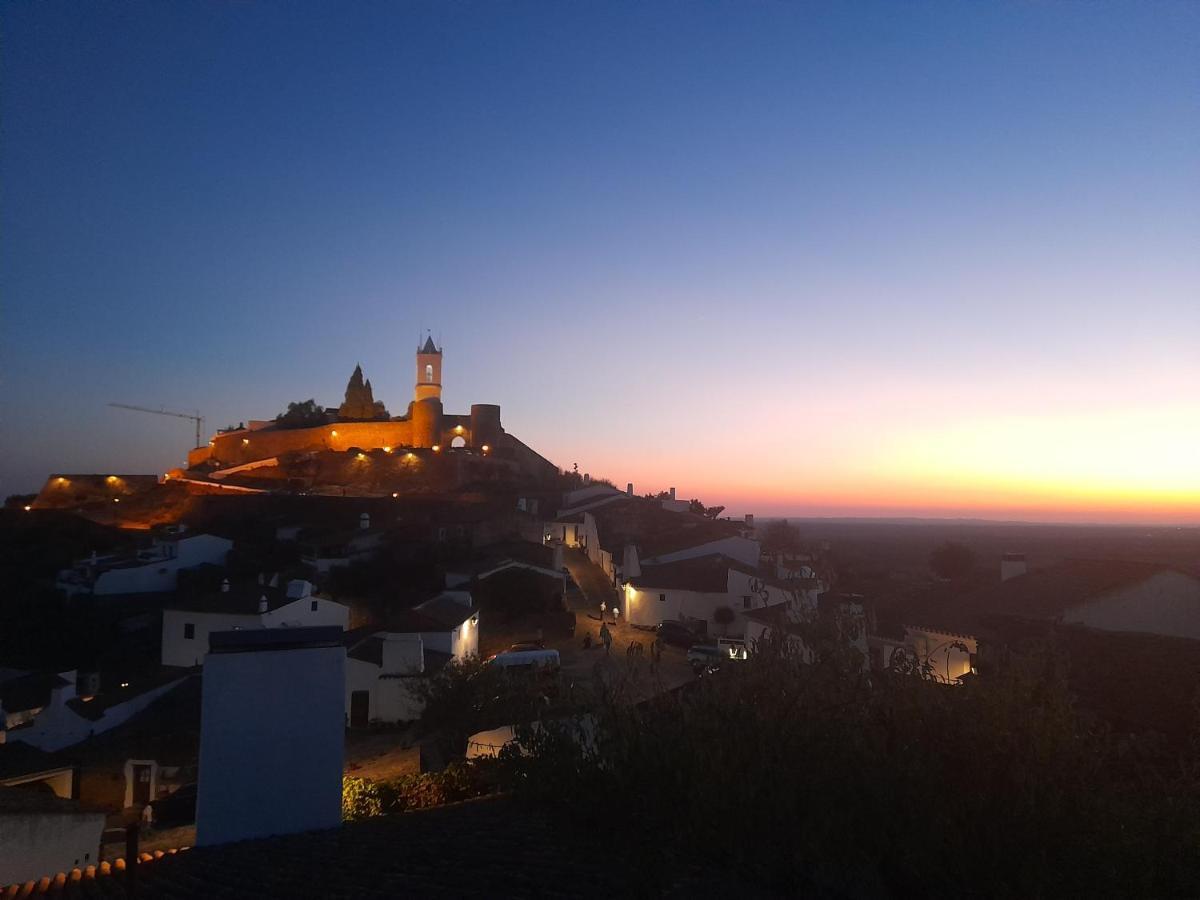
[662,598]
[429,371]
[746,599]
[189,631]
[314,606]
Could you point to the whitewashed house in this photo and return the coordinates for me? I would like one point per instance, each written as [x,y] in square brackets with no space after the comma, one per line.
[325,550]
[155,569]
[68,719]
[384,667]
[42,834]
[272,734]
[693,589]
[187,622]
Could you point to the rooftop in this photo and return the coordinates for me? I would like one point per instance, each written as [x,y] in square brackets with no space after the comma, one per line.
[1044,594]
[492,847]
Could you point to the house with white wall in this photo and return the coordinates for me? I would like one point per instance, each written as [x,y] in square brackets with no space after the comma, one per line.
[787,620]
[1102,595]
[325,549]
[272,734]
[188,621]
[384,667]
[151,570]
[68,719]
[694,588]
[42,834]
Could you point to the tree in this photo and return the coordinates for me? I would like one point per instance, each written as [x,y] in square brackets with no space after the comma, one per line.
[305,414]
[709,512]
[781,537]
[952,561]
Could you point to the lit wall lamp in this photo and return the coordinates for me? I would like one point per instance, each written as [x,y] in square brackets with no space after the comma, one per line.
[437,448]
[28,508]
[361,456]
[245,441]
[387,449]
[485,448]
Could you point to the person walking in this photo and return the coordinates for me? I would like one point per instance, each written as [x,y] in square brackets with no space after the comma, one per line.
[603,609]
[616,615]
[605,637]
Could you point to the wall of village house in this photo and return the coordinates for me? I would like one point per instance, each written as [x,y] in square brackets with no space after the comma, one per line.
[271,756]
[460,642]
[1167,603]
[179,650]
[163,575]
[643,607]
[938,648]
[58,726]
[34,845]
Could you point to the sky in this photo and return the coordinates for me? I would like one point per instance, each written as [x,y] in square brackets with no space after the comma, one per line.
[868,259]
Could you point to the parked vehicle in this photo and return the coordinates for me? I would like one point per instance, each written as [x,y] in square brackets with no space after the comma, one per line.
[709,656]
[527,659]
[520,646]
[673,632]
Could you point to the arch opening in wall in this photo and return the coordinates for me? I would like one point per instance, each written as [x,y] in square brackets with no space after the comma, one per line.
[458,442]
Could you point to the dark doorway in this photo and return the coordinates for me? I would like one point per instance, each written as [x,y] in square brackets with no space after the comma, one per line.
[360,706]
[141,785]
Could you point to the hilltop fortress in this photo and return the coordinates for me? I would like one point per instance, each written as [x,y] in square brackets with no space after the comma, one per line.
[361,424]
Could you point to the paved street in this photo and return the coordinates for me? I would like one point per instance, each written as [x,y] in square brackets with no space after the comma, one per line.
[584,601]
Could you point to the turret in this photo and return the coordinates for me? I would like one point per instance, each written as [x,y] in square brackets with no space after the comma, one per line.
[429,372]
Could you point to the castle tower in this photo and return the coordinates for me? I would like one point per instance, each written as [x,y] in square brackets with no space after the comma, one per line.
[429,372]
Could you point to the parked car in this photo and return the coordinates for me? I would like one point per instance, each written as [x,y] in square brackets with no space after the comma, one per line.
[526,645]
[527,659]
[709,656]
[672,632]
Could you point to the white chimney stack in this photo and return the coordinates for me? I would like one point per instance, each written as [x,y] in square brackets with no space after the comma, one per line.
[587,478]
[750,520]
[224,585]
[1012,565]
[629,489]
[364,521]
[262,603]
[672,493]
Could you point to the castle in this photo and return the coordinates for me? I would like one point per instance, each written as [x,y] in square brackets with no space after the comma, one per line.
[362,424]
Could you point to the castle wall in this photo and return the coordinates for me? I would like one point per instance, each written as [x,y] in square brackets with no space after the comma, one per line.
[240,447]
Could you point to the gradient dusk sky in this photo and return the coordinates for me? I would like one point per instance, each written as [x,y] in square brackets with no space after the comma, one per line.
[837,258]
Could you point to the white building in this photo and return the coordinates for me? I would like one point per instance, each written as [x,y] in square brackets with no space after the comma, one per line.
[42,835]
[325,550]
[384,667]
[67,719]
[693,589]
[148,571]
[188,622]
[272,731]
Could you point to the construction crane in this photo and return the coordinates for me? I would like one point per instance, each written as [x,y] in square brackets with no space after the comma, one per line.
[197,418]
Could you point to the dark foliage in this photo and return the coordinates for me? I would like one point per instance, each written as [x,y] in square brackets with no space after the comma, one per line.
[952,560]
[304,414]
[781,537]
[811,777]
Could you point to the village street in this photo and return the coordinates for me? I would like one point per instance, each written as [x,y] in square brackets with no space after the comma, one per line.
[593,588]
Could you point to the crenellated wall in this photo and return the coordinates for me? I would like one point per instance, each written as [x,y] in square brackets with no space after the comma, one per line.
[426,427]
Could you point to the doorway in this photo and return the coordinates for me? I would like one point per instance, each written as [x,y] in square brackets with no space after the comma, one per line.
[360,708]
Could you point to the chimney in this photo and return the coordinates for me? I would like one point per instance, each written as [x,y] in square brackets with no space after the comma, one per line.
[262,603]
[274,582]
[224,585]
[364,521]
[749,520]
[587,479]
[1012,565]
[237,801]
[672,493]
[629,489]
